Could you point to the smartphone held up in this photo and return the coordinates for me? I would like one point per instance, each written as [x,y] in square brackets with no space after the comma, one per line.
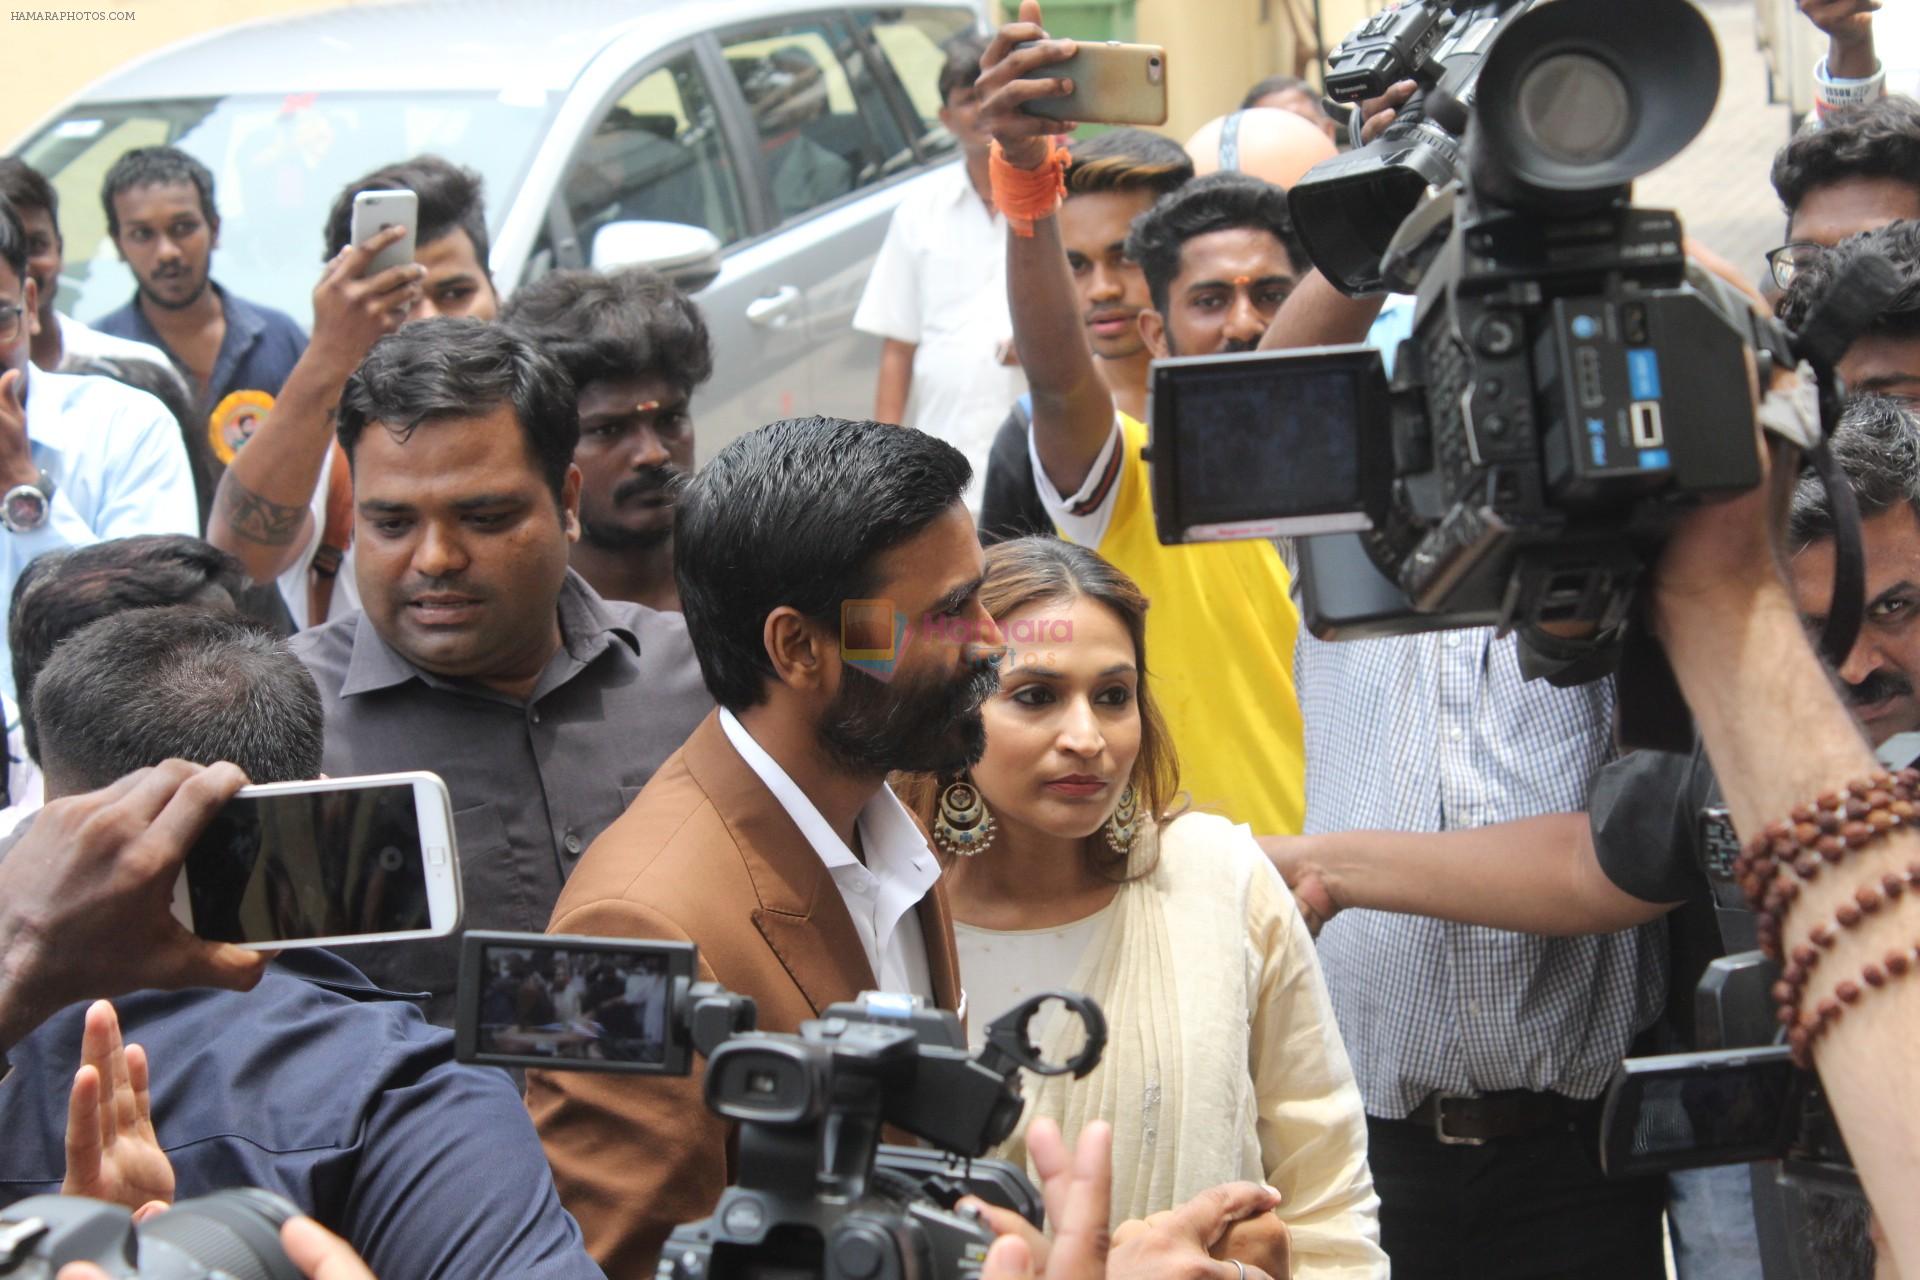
[1113,83]
[374,212]
[324,863]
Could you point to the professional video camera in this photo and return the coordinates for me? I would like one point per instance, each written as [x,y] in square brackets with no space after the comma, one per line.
[1569,386]
[229,1235]
[817,1194]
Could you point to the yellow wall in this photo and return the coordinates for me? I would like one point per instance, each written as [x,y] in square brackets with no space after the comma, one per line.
[49,61]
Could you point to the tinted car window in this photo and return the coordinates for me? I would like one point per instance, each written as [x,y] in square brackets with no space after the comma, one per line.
[914,42]
[823,125]
[657,156]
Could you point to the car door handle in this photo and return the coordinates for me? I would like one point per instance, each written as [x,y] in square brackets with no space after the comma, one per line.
[773,308]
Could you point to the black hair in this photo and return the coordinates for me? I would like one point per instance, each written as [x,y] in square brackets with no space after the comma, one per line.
[163,384]
[1899,244]
[1878,448]
[27,188]
[131,690]
[1879,139]
[450,200]
[1218,202]
[156,167]
[461,368]
[796,514]
[61,592]
[620,324]
[1127,160]
[1279,84]
[962,66]
[13,241]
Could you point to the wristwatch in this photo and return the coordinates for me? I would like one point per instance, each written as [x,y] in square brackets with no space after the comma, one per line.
[25,506]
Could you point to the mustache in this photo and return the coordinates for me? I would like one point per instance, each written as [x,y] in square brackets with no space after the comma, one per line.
[1241,344]
[668,480]
[1878,687]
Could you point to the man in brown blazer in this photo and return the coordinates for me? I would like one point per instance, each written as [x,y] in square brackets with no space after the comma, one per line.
[770,839]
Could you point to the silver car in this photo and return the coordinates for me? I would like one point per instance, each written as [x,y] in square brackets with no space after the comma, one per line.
[753,148]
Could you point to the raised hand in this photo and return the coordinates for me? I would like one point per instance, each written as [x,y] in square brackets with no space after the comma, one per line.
[113,1153]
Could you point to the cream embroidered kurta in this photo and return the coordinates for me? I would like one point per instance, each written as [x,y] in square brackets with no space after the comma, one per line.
[1222,1059]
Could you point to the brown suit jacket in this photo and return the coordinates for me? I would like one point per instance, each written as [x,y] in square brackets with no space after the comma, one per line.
[704,855]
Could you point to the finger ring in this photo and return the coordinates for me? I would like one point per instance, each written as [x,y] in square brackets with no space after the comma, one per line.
[1240,1269]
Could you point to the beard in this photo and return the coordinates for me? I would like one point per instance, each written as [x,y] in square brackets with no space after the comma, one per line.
[610,535]
[168,304]
[874,727]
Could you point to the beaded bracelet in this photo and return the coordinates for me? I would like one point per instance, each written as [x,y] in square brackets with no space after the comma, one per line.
[1822,835]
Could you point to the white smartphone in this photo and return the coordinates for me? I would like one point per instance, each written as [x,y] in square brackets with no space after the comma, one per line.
[315,864]
[374,212]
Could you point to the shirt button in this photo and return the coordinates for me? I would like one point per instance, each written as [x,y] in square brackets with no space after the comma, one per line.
[1456,734]
[1453,642]
[572,842]
[533,714]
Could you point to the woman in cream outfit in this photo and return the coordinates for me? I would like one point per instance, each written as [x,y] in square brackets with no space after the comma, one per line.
[1070,866]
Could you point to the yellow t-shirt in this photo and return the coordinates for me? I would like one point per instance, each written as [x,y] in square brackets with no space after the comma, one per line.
[1220,636]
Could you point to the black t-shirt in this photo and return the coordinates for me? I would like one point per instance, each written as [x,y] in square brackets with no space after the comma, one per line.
[1645,810]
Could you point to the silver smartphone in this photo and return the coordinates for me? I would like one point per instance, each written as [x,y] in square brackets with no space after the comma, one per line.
[374,212]
[312,864]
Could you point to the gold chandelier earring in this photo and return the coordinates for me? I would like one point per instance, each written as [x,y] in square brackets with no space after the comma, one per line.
[1123,824]
[962,826]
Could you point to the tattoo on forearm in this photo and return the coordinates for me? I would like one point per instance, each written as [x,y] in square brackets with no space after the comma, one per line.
[258,519]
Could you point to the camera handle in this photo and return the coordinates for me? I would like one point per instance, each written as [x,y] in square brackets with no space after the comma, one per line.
[1010,1038]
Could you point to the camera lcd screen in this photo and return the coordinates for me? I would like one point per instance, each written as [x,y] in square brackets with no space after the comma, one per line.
[1699,1112]
[315,864]
[1258,444]
[573,1006]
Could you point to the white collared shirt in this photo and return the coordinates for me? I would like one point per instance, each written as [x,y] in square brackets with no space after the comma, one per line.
[118,465]
[881,894]
[939,284]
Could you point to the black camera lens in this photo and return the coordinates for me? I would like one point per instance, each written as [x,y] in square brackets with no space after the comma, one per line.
[1575,108]
[230,1233]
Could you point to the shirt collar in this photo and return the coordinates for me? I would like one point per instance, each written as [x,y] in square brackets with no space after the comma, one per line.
[587,628]
[896,851]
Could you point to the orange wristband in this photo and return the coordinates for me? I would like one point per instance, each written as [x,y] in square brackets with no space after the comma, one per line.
[1025,196]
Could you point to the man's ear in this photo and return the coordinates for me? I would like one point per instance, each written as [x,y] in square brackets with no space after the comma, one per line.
[1153,332]
[803,657]
[32,300]
[213,232]
[570,503]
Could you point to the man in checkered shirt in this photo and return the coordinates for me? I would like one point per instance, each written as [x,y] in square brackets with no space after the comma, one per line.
[1480,1053]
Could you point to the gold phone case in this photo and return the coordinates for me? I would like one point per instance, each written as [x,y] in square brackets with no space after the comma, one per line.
[1113,83]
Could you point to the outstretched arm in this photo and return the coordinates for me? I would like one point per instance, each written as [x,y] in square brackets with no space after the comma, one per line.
[262,510]
[1072,408]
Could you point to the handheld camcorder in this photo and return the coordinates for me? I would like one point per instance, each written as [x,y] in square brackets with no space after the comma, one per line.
[817,1194]
[1740,1099]
[1569,386]
[229,1235]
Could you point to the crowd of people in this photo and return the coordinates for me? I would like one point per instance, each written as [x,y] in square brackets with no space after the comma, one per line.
[1373,923]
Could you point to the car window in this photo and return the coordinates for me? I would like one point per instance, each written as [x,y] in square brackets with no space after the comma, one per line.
[914,42]
[824,126]
[657,156]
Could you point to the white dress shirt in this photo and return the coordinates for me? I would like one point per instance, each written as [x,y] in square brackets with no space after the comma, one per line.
[881,894]
[939,283]
[118,466]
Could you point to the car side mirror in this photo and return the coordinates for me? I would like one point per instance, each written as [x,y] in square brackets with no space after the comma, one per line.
[687,255]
